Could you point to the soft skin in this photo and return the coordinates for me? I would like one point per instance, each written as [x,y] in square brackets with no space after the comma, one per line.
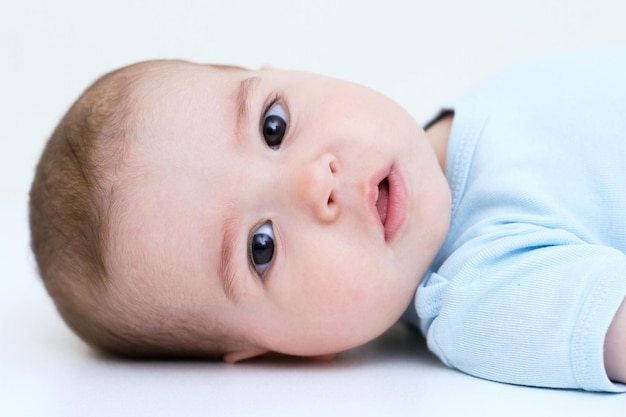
[199,171]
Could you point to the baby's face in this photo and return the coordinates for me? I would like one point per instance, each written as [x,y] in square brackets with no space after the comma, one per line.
[296,210]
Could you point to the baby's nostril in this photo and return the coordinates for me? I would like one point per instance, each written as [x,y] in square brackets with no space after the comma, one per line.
[331,212]
[330,201]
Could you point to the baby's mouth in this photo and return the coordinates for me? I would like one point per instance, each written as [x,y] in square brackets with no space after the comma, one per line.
[382,202]
[390,197]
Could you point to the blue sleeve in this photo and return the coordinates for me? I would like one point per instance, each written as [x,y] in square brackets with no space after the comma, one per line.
[530,309]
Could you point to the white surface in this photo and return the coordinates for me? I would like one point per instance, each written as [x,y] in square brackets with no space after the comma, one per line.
[419,53]
[46,371]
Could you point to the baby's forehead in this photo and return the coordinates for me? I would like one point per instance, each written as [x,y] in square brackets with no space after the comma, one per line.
[181,72]
[166,139]
[178,107]
[164,85]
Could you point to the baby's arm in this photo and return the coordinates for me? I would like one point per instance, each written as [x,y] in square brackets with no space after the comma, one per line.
[530,309]
[615,347]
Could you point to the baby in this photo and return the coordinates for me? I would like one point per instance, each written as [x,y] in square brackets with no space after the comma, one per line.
[197,210]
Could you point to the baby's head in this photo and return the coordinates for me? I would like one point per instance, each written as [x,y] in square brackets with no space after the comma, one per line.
[185,209]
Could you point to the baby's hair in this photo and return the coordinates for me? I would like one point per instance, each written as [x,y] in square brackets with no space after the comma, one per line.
[73,205]
[69,222]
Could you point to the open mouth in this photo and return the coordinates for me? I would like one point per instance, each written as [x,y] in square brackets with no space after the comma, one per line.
[382,202]
[390,199]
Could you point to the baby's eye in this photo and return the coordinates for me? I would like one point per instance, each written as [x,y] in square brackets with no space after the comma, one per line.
[274,125]
[261,247]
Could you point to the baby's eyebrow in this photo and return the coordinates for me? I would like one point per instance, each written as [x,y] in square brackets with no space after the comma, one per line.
[242,96]
[226,271]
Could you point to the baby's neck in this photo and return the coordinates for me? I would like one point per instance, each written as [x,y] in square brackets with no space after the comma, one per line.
[438,134]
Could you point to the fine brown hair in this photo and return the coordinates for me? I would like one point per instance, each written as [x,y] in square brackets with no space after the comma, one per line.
[69,219]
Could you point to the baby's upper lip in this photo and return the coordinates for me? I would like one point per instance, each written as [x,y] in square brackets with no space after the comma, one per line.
[373,195]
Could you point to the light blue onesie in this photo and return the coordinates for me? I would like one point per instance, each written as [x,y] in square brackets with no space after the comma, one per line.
[534,267]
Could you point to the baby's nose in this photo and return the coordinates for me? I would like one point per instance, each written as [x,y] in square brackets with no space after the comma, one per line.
[315,186]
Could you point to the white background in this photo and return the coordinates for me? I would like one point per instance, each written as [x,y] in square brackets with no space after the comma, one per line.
[419,53]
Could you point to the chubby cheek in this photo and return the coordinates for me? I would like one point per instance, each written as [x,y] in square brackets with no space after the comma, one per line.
[340,276]
[336,305]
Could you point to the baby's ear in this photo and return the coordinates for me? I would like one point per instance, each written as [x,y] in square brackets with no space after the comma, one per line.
[329,357]
[233,357]
[267,67]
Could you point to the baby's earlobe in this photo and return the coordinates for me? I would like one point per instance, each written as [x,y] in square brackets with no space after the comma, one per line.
[329,357]
[234,357]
